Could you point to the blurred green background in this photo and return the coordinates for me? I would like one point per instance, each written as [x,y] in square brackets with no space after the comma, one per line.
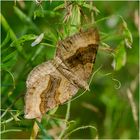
[110,109]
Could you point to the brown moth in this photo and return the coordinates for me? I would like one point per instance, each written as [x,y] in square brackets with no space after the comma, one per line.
[56,81]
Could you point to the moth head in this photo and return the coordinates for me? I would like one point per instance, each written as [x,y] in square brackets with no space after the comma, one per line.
[32,104]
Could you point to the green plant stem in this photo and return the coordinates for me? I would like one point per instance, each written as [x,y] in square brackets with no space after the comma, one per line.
[66,120]
[10,119]
[18,97]
[80,128]
[10,130]
[7,121]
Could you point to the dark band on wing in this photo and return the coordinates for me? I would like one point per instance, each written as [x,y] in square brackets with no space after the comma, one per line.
[68,44]
[82,56]
[48,95]
[51,101]
[43,97]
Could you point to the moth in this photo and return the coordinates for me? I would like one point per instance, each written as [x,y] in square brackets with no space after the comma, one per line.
[56,81]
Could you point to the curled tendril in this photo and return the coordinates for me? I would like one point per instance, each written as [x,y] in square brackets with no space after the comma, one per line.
[117,84]
[94,74]
[89,85]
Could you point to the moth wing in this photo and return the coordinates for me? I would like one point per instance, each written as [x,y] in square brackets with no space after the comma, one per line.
[46,88]
[79,51]
[60,90]
[38,72]
[33,97]
[37,82]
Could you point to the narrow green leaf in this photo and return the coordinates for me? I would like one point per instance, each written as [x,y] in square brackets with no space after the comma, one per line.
[6,40]
[105,45]
[76,15]
[43,130]
[12,76]
[119,57]
[51,34]
[74,19]
[23,39]
[47,44]
[24,18]
[21,15]
[10,56]
[37,52]
[51,112]
[127,34]
[88,6]
[61,6]
[9,63]
[7,28]
[39,13]
[128,38]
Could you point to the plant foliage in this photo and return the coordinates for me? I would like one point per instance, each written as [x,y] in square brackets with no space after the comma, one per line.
[29,35]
